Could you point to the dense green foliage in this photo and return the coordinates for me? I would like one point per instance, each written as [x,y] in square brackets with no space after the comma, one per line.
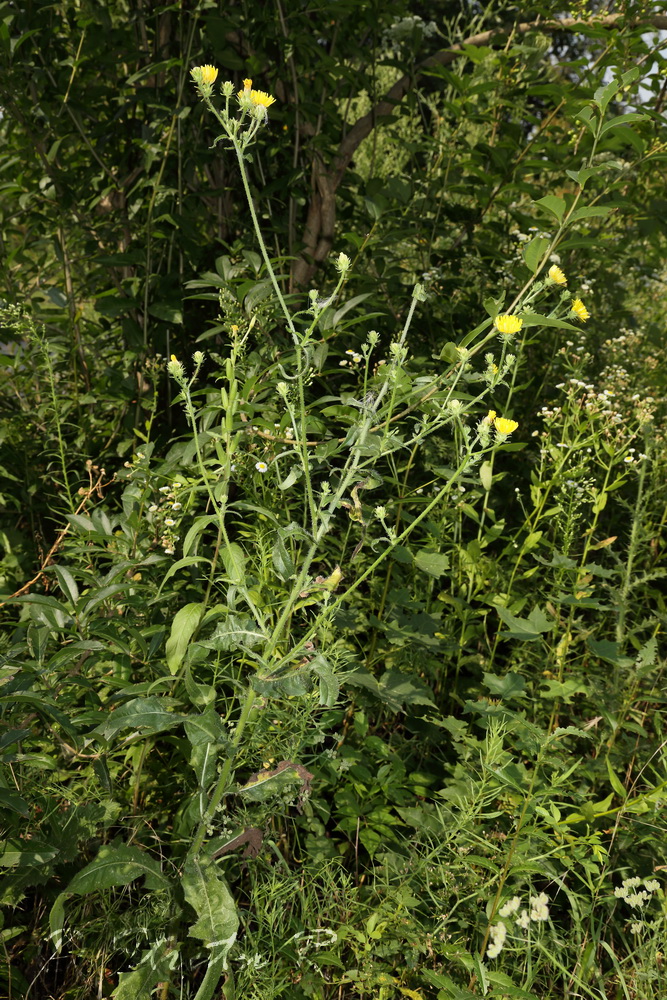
[332,649]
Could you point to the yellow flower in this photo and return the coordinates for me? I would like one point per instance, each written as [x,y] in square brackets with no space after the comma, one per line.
[262,99]
[258,97]
[174,358]
[490,417]
[508,323]
[209,74]
[505,426]
[579,310]
[557,275]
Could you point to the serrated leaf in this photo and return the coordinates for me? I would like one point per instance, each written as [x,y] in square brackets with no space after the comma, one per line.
[510,686]
[183,626]
[607,650]
[114,865]
[433,563]
[526,629]
[155,967]
[208,894]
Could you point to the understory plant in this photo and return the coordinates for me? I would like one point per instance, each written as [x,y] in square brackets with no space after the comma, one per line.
[336,684]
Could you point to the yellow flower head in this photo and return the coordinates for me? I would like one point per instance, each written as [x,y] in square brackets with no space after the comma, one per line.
[557,275]
[508,323]
[579,310]
[209,74]
[258,98]
[247,86]
[490,417]
[505,426]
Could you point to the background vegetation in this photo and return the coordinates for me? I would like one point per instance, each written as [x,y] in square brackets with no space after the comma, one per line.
[312,684]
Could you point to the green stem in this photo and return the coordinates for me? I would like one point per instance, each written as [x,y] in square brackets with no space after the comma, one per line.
[222,783]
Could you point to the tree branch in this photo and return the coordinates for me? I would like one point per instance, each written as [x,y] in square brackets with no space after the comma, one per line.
[321,217]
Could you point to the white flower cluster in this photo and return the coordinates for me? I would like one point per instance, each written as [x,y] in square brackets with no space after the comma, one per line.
[634,896]
[538,912]
[497,933]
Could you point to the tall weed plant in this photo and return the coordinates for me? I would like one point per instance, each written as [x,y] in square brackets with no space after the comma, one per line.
[324,707]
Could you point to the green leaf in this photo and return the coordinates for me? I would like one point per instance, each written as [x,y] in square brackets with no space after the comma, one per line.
[535,319]
[509,686]
[295,473]
[200,524]
[582,176]
[533,252]
[329,686]
[11,800]
[148,714]
[622,121]
[282,560]
[183,626]
[564,690]
[603,95]
[553,204]
[486,475]
[208,894]
[591,212]
[167,311]
[615,782]
[607,650]
[527,629]
[67,584]
[433,563]
[234,560]
[114,865]
[155,967]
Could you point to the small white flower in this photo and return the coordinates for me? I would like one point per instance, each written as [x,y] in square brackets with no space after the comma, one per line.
[523,920]
[176,506]
[164,489]
[169,521]
[261,466]
[510,907]
[636,927]
[497,933]
[175,486]
[356,358]
[620,892]
[632,883]
[168,552]
[637,899]
[153,507]
[538,907]
[651,884]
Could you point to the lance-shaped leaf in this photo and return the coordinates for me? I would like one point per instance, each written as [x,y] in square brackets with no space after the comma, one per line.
[115,864]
